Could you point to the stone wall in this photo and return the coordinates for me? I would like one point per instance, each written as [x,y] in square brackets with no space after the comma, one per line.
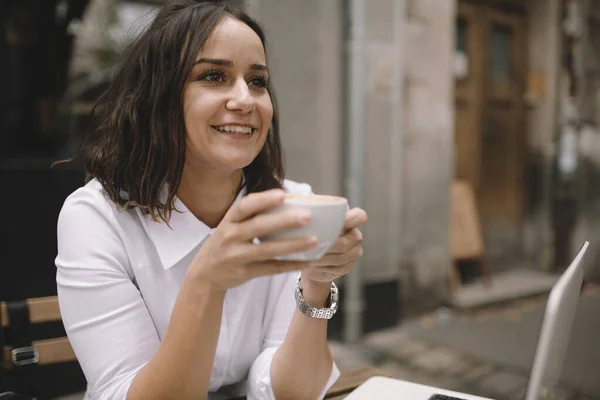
[305,55]
[409,123]
[428,144]
[544,62]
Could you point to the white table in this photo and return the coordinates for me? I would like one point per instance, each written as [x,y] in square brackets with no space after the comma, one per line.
[382,388]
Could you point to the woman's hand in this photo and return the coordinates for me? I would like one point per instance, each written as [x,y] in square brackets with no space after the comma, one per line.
[341,257]
[229,257]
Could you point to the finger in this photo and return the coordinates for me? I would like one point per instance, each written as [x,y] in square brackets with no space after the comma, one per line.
[333,259]
[276,248]
[264,224]
[345,242]
[273,267]
[255,203]
[355,218]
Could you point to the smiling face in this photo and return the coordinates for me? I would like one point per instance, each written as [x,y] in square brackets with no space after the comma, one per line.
[227,108]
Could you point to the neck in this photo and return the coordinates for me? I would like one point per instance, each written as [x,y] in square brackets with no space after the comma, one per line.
[208,194]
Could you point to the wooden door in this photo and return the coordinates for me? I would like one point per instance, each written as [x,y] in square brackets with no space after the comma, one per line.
[489,119]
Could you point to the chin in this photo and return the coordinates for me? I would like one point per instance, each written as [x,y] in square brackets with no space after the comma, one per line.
[237,163]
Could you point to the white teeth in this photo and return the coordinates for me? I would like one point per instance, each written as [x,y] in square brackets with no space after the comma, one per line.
[246,130]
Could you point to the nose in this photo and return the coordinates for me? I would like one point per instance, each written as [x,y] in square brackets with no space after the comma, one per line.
[241,99]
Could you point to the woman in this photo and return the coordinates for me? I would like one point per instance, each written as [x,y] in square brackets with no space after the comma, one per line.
[162,291]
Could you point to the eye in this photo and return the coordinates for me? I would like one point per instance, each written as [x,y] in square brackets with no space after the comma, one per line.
[213,76]
[259,82]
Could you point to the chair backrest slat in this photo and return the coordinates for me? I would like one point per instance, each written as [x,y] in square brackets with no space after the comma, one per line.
[50,351]
[41,309]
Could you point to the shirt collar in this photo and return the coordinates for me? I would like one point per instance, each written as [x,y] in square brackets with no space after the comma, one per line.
[184,235]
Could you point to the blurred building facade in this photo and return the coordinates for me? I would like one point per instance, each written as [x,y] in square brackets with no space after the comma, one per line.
[408,139]
[502,94]
[499,93]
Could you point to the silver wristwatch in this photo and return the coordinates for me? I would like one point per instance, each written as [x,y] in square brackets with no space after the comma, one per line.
[313,312]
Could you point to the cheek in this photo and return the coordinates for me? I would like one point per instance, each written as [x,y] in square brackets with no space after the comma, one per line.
[196,111]
[195,118]
[266,111]
[198,107]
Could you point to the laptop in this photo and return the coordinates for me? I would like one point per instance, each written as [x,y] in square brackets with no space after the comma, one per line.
[549,355]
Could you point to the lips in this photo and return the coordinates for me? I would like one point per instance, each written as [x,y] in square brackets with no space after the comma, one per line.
[242,130]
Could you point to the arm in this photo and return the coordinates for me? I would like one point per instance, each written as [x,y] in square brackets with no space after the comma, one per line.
[109,325]
[302,361]
[105,317]
[284,361]
[114,336]
[303,365]
[182,365]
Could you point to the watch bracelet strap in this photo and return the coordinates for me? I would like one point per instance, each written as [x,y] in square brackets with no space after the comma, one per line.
[314,312]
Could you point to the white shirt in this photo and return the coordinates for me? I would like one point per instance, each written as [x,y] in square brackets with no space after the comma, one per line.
[118,276]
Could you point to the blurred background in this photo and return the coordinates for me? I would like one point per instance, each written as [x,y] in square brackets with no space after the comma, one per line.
[468,130]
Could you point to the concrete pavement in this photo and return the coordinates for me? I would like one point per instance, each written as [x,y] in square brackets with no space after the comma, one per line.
[485,352]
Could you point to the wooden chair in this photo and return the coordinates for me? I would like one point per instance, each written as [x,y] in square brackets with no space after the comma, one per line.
[58,350]
[41,352]
[40,367]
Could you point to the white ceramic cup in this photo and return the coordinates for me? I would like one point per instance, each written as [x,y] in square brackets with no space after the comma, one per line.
[328,214]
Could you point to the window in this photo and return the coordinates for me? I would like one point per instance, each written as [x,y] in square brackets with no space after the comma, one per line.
[500,53]
[461,57]
[461,35]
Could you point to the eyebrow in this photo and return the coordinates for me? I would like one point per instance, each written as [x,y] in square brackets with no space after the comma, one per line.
[228,63]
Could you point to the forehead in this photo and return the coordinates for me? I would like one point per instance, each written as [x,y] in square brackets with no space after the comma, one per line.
[234,39]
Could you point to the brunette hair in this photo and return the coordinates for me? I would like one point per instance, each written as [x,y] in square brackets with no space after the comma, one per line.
[137,149]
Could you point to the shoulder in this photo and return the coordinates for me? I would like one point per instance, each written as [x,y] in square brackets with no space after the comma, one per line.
[89,203]
[90,233]
[296,187]
[91,196]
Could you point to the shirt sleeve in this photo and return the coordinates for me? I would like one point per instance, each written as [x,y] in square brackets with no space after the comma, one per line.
[280,309]
[103,312]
